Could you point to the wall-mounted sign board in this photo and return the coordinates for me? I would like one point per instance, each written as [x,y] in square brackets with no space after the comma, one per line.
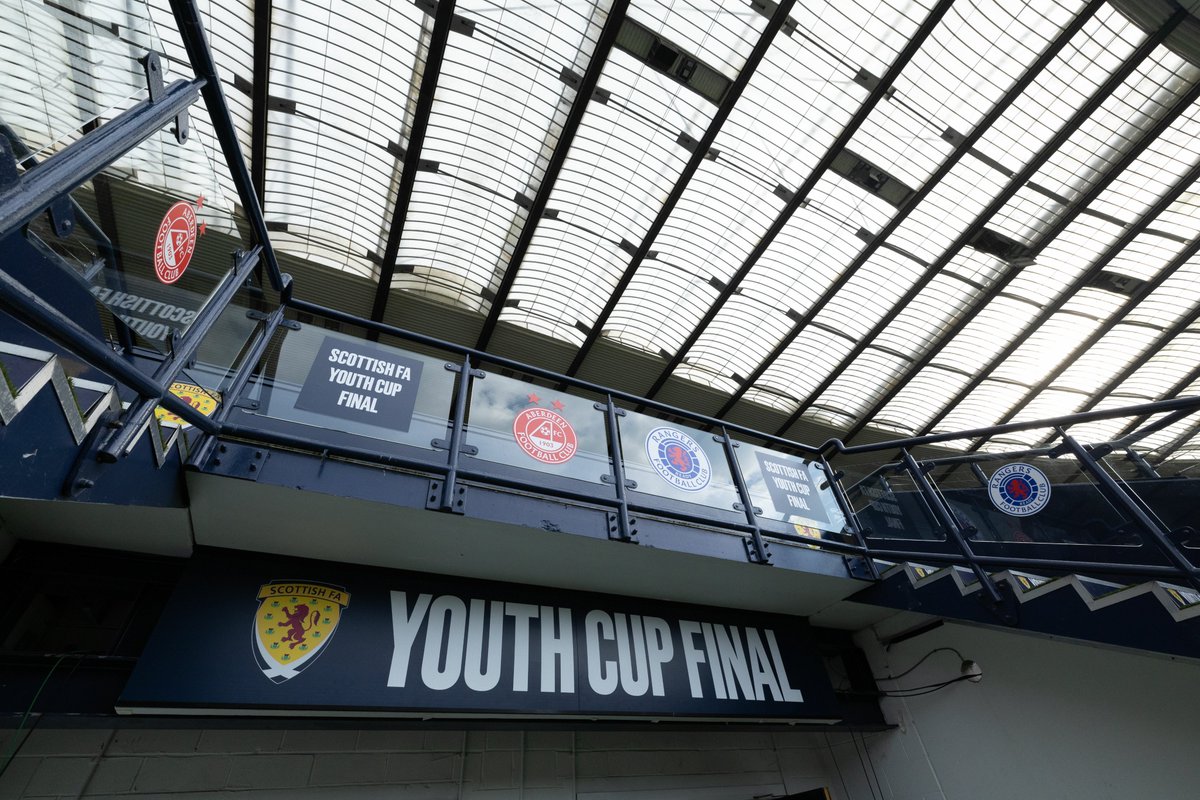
[245,634]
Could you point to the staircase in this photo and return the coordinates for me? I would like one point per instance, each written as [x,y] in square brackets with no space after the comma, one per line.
[1153,615]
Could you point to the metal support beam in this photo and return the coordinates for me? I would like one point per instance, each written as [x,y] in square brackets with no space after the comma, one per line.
[621,527]
[757,548]
[583,96]
[458,422]
[131,422]
[1139,462]
[1015,184]
[259,98]
[37,188]
[187,18]
[877,94]
[52,323]
[1116,495]
[440,36]
[856,529]
[954,532]
[774,24]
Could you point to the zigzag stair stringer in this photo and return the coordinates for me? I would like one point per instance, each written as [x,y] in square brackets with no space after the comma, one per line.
[1180,602]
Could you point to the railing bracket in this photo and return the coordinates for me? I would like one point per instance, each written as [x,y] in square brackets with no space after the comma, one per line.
[752,553]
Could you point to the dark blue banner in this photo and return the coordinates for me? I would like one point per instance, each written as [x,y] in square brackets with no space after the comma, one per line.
[250,633]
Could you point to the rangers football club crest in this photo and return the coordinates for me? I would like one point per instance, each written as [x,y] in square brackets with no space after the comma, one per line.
[176,240]
[678,459]
[294,622]
[203,400]
[1019,489]
[544,434]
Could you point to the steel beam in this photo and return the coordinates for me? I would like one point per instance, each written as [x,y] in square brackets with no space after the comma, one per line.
[583,96]
[259,97]
[774,24]
[443,19]
[187,18]
[801,196]
[37,188]
[1014,185]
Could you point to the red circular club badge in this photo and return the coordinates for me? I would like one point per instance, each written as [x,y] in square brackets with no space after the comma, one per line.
[175,242]
[544,435]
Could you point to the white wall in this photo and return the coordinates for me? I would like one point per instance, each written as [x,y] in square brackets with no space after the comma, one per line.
[360,764]
[1050,719]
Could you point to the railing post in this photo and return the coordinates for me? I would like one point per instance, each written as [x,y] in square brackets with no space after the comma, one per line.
[1115,494]
[620,526]
[187,19]
[953,529]
[756,548]
[454,445]
[839,496]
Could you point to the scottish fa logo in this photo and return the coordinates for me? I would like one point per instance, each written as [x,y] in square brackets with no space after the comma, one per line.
[1019,489]
[678,459]
[294,623]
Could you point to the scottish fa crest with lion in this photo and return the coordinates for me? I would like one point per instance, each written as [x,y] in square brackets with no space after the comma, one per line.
[294,622]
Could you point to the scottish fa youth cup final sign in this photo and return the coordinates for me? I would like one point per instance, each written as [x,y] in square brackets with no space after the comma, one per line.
[246,635]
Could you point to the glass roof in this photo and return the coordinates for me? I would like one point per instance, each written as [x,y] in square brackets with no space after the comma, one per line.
[917,216]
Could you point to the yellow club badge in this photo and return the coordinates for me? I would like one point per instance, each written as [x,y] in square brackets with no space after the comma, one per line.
[203,400]
[294,622]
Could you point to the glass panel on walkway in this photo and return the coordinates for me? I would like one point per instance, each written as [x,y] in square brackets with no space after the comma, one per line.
[521,425]
[333,381]
[676,462]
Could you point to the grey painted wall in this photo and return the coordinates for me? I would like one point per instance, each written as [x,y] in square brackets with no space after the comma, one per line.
[1050,719]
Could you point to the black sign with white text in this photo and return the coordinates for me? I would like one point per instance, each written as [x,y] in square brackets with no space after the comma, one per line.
[791,486]
[328,638]
[361,382]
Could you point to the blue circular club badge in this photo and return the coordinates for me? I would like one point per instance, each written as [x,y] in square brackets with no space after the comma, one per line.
[678,459]
[1019,489]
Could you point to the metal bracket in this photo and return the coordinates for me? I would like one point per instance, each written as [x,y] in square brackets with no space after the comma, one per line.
[739,507]
[249,405]
[620,412]
[433,499]
[152,64]
[614,528]
[1007,610]
[860,568]
[630,483]
[475,373]
[752,554]
[239,461]
[62,216]
[465,449]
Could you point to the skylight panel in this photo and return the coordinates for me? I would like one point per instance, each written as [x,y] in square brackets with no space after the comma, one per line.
[1119,122]
[947,210]
[869,37]
[623,163]
[341,76]
[497,115]
[1106,40]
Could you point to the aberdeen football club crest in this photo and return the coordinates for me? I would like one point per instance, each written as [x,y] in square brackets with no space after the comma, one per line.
[545,434]
[1019,489]
[176,240]
[678,459]
[295,621]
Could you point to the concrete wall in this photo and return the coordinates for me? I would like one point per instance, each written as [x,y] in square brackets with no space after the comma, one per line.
[1050,719]
[359,764]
